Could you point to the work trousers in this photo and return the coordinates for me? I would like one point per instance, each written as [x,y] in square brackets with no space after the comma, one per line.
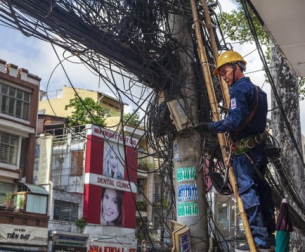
[256,195]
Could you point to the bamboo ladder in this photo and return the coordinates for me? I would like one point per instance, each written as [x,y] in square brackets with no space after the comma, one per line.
[214,106]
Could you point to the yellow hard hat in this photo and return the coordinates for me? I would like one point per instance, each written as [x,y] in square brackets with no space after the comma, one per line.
[228,57]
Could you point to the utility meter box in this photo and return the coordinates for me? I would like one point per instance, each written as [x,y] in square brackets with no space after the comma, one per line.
[178,114]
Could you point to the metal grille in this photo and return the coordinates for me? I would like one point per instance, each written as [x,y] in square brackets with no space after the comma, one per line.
[66,211]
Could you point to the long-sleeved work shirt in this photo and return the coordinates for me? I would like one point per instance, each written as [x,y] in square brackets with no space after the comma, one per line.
[243,95]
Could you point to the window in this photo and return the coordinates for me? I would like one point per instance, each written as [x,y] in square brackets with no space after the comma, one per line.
[4,189]
[18,202]
[223,215]
[36,204]
[14,102]
[8,148]
[77,163]
[66,211]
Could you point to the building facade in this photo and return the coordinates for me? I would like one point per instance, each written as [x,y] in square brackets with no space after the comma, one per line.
[56,100]
[23,205]
[91,176]
[148,183]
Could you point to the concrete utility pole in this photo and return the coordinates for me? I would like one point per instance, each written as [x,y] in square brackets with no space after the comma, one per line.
[286,83]
[191,205]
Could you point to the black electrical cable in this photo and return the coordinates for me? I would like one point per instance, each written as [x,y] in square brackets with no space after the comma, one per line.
[131,39]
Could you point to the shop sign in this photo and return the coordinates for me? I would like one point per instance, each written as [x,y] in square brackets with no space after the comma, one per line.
[110,249]
[57,248]
[113,136]
[109,244]
[107,182]
[70,240]
[23,234]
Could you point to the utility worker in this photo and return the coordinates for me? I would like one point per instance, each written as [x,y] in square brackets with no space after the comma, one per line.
[246,122]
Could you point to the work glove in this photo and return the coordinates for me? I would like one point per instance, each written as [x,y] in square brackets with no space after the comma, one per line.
[203,126]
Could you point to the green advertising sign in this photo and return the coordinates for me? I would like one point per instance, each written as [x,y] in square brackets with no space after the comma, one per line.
[186,173]
[188,209]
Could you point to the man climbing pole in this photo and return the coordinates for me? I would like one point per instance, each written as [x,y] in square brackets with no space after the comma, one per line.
[246,123]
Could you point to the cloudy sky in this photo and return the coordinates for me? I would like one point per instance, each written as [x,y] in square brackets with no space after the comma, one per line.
[40,59]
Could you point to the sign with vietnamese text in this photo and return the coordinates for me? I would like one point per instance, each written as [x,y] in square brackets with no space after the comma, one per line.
[187,209]
[59,248]
[111,245]
[186,173]
[111,135]
[187,192]
[23,234]
[108,157]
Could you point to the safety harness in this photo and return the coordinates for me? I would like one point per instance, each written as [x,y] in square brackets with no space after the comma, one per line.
[245,144]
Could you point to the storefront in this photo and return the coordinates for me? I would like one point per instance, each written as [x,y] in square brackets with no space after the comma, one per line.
[68,242]
[22,238]
[112,244]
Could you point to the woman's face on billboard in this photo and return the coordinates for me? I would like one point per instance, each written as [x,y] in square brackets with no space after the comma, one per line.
[113,162]
[110,206]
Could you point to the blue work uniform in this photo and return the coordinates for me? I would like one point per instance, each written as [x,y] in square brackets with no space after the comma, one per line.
[254,192]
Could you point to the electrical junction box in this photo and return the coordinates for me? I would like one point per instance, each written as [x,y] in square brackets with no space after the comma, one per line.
[178,114]
[180,237]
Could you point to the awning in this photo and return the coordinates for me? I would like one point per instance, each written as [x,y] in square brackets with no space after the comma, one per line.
[33,188]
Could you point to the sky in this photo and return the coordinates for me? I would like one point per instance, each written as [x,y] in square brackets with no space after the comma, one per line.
[40,59]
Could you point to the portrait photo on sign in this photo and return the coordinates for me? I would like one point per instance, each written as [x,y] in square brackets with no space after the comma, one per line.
[113,161]
[111,207]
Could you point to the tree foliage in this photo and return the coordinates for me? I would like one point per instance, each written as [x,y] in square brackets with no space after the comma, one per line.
[132,119]
[85,111]
[81,223]
[235,26]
